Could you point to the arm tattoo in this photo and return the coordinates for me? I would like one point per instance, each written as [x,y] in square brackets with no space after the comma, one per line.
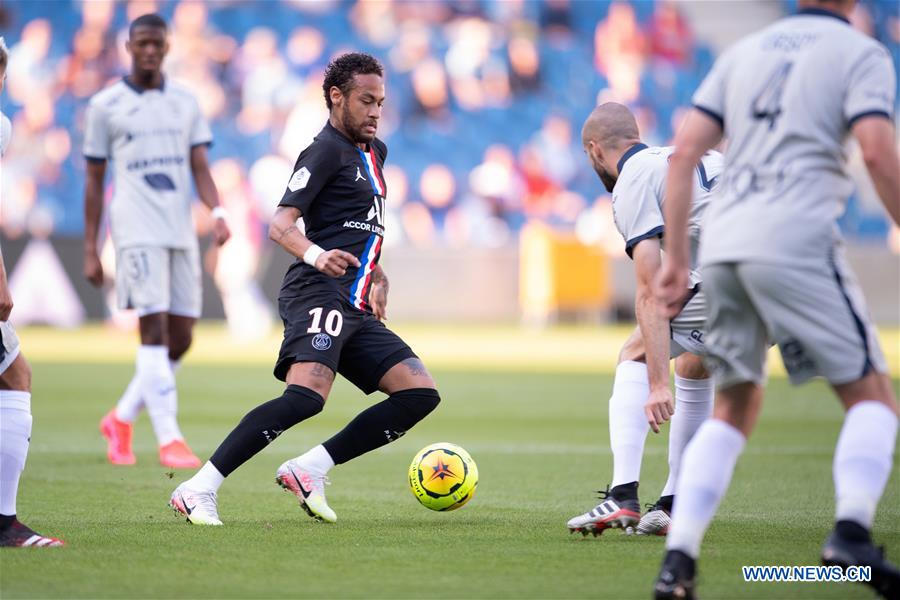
[287,231]
[378,277]
[416,367]
[323,372]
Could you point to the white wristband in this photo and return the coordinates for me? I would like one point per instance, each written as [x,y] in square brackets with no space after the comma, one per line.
[219,213]
[312,254]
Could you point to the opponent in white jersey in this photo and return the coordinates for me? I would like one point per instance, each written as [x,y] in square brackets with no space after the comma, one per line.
[635,175]
[15,396]
[773,266]
[152,131]
[5,133]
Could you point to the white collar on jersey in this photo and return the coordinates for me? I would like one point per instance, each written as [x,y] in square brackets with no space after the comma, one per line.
[140,90]
[822,12]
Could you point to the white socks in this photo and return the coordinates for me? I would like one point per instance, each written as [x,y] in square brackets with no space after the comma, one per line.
[15,433]
[628,425]
[157,388]
[693,405]
[131,403]
[862,461]
[706,471]
[317,460]
[207,479]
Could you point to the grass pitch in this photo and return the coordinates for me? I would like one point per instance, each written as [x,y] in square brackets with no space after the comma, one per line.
[541,444]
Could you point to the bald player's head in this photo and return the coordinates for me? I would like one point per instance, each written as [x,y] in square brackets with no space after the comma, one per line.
[609,130]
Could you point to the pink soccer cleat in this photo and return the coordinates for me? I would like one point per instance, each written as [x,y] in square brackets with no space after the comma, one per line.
[118,439]
[178,455]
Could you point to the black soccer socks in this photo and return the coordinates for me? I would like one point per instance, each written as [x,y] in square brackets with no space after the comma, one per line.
[382,423]
[263,424]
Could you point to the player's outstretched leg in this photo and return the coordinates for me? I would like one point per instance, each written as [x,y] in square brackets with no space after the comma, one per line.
[196,497]
[380,424]
[862,466]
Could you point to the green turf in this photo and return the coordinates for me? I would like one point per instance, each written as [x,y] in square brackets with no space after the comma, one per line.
[539,440]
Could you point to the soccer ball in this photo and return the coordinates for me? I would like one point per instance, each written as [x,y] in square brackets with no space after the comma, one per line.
[443,476]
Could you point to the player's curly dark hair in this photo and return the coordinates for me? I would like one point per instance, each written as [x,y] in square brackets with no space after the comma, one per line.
[339,72]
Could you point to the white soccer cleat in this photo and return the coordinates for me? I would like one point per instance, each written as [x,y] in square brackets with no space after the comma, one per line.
[656,521]
[198,507]
[19,535]
[308,488]
[609,514]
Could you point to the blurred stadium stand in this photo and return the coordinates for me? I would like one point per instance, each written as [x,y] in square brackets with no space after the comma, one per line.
[485,103]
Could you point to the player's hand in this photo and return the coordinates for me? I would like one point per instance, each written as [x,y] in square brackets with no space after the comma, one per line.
[335,262]
[93,269]
[379,293]
[659,407]
[221,232]
[6,302]
[670,286]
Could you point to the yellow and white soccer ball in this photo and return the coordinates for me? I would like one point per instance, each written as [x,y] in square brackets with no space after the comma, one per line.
[443,476]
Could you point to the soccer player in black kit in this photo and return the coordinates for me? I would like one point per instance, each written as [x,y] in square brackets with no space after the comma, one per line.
[332,301]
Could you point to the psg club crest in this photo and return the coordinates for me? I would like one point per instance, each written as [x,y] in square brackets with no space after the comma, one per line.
[322,341]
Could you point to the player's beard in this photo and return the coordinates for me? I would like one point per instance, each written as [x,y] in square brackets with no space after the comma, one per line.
[353,128]
[609,182]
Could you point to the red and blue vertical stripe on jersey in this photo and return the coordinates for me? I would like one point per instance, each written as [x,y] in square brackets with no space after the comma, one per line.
[359,291]
[372,169]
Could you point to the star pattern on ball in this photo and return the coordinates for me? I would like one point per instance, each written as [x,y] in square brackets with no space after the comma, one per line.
[441,470]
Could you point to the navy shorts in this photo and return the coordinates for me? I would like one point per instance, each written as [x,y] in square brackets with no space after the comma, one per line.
[325,328]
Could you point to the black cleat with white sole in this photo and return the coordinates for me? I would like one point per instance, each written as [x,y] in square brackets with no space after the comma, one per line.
[850,545]
[676,577]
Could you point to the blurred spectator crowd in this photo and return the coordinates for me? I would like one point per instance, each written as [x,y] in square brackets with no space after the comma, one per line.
[485,100]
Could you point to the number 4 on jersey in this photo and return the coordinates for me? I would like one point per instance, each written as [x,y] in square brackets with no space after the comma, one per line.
[767,104]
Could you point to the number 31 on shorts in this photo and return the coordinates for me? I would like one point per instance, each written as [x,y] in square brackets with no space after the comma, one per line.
[334,321]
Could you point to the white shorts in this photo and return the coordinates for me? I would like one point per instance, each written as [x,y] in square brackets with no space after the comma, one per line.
[155,280]
[688,328]
[816,315]
[9,345]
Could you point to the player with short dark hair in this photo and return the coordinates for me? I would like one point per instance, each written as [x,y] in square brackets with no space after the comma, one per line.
[151,21]
[154,134]
[332,301]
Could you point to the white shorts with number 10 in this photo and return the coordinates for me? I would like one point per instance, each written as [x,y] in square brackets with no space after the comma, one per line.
[153,279]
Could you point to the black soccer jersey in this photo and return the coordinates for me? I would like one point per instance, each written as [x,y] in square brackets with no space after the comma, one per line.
[340,191]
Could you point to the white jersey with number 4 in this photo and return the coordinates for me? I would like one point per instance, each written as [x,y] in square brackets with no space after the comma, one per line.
[148,136]
[637,198]
[787,97]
